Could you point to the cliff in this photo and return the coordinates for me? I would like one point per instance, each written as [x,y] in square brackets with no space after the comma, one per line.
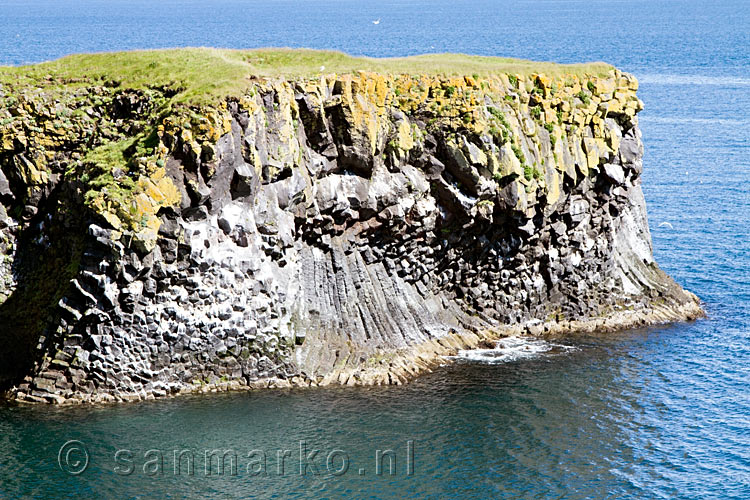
[194,220]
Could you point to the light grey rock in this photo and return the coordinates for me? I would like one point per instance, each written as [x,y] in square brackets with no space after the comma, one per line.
[631,147]
[5,186]
[615,173]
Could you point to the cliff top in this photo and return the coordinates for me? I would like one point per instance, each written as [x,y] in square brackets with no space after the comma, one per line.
[202,74]
[111,122]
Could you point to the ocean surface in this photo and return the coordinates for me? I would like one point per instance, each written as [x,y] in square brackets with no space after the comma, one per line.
[661,412]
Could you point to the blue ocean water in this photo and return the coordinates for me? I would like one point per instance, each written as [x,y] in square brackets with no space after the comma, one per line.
[655,413]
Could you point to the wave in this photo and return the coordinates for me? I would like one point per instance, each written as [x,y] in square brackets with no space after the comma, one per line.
[514,348]
[666,79]
[683,120]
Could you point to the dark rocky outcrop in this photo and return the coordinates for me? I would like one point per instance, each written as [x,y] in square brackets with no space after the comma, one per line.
[350,230]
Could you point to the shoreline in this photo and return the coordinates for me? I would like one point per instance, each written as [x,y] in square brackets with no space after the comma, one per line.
[401,366]
[422,358]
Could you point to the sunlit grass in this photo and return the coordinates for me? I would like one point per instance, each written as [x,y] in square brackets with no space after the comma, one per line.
[205,73]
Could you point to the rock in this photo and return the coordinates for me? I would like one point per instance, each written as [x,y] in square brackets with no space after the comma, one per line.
[631,148]
[615,173]
[528,227]
[579,209]
[462,167]
[319,231]
[512,198]
[5,187]
[5,221]
[196,214]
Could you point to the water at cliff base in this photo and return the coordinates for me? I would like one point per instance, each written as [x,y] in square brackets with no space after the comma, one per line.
[662,412]
[515,348]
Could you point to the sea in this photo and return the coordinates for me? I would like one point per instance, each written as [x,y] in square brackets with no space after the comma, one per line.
[653,413]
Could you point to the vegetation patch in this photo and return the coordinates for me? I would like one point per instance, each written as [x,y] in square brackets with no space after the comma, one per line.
[202,74]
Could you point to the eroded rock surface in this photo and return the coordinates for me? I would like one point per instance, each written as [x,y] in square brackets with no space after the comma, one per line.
[348,229]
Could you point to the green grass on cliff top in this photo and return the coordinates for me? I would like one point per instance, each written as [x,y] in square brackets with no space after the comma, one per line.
[205,73]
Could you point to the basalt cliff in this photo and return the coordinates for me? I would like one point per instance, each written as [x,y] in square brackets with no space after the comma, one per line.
[334,228]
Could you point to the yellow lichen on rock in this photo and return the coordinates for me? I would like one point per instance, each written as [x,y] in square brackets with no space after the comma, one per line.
[536,128]
[160,189]
[404,135]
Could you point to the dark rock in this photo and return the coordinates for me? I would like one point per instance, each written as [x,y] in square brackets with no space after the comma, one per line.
[195,214]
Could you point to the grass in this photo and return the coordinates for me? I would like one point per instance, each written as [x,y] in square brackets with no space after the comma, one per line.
[205,73]
[519,153]
[530,173]
[584,97]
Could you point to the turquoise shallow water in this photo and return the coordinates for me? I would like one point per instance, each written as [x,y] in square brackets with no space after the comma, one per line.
[655,413]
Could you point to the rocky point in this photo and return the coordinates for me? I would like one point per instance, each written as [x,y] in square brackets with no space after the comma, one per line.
[330,229]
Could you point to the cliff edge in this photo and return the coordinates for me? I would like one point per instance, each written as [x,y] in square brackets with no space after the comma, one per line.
[200,219]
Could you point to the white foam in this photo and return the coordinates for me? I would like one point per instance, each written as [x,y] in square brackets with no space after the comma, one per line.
[513,349]
[683,120]
[662,79]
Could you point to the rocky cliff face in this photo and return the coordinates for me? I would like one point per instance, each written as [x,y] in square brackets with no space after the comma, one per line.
[346,229]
